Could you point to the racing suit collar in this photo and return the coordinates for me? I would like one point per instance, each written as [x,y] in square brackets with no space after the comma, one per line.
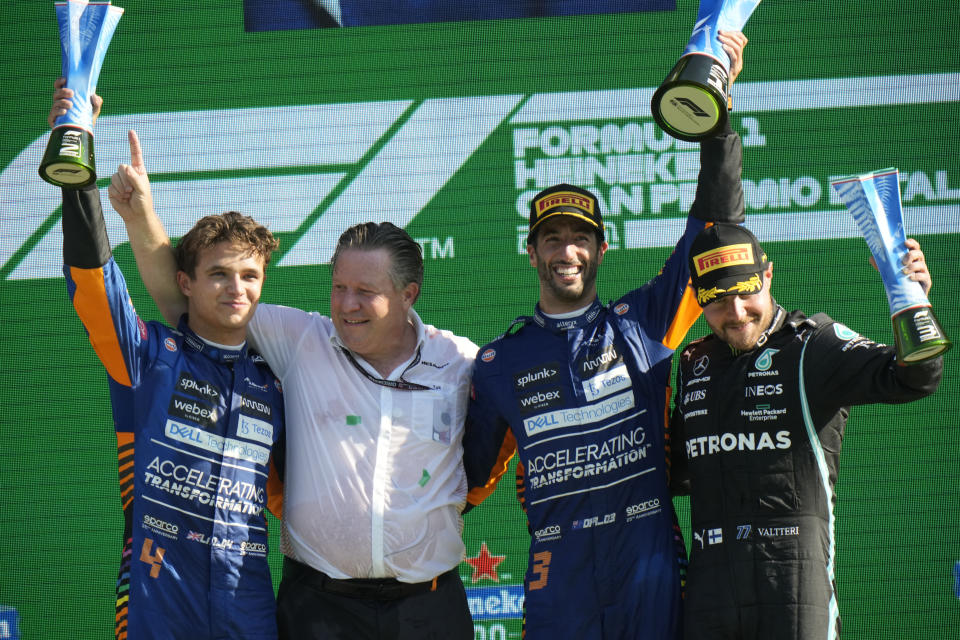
[559,325]
[193,342]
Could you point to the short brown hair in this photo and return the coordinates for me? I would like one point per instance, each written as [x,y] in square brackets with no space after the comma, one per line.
[230,227]
[406,256]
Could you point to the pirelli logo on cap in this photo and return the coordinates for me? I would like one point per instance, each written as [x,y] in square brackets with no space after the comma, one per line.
[728,256]
[564,198]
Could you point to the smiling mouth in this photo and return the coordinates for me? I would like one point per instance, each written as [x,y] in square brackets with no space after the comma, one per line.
[567,270]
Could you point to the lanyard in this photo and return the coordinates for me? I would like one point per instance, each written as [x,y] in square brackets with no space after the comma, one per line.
[399,384]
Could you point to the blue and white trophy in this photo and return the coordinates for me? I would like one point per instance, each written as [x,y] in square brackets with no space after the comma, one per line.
[691,103]
[85,32]
[874,201]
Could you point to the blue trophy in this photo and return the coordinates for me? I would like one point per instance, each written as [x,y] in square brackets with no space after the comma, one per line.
[691,103]
[85,32]
[874,201]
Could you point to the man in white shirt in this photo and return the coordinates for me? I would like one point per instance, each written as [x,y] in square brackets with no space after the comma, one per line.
[374,483]
[375,405]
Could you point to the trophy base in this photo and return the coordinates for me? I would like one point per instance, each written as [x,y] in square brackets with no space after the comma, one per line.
[691,103]
[918,335]
[68,160]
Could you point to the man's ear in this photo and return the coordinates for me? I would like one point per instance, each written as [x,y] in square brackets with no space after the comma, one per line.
[410,293]
[532,254]
[601,251]
[184,282]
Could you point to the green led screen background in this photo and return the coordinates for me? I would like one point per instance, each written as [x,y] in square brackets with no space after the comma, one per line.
[447,129]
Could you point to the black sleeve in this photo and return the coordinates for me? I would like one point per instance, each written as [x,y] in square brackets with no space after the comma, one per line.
[850,369]
[85,241]
[678,473]
[719,186]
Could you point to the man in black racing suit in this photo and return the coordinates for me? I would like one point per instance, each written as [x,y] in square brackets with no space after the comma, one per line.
[760,408]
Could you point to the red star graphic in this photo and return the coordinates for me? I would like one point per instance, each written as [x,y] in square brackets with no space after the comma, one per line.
[484,565]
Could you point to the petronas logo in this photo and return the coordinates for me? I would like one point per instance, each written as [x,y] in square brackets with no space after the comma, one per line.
[765,360]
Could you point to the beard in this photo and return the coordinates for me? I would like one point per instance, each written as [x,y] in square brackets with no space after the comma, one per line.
[570,293]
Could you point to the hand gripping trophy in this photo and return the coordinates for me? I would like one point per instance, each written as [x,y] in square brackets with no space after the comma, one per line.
[691,103]
[874,201]
[85,32]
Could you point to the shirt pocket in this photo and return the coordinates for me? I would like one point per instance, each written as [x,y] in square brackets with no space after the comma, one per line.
[434,416]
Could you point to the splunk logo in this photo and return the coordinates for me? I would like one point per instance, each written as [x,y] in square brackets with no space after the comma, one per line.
[343,167]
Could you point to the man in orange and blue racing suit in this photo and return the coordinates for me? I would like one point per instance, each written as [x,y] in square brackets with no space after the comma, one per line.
[198,418]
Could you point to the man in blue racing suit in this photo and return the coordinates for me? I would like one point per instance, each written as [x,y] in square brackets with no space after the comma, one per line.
[579,391]
[197,417]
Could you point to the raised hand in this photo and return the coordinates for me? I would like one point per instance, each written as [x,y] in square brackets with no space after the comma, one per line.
[733,43]
[130,186]
[63,101]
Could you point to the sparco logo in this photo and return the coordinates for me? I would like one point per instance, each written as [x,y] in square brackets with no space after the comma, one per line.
[600,362]
[542,374]
[646,506]
[551,532]
[161,525]
[252,547]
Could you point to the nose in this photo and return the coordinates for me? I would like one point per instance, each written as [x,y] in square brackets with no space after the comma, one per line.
[235,284]
[737,307]
[569,250]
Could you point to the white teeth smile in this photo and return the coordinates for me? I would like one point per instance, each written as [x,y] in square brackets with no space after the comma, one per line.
[567,271]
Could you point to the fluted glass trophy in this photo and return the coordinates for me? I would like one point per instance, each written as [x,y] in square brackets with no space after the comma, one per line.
[874,201]
[691,103]
[86,29]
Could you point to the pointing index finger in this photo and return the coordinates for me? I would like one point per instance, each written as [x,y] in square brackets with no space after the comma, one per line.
[136,152]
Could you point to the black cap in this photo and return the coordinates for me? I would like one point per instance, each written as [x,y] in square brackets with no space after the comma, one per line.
[726,259]
[566,200]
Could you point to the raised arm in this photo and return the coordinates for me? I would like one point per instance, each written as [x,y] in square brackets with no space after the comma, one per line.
[719,195]
[131,197]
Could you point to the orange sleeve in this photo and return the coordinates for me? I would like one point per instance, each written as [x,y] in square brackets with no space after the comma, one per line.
[93,308]
[507,451]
